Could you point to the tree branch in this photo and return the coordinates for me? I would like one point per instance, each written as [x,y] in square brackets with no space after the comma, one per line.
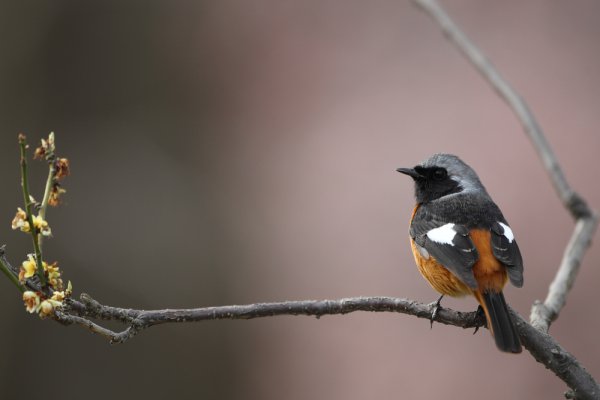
[543,314]
[541,345]
[547,351]
[138,320]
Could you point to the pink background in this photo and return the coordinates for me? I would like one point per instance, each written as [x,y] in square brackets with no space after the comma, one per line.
[234,152]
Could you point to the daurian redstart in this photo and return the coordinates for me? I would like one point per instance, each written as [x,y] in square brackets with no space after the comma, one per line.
[462,243]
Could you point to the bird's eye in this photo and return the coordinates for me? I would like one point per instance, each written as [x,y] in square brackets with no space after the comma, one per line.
[440,174]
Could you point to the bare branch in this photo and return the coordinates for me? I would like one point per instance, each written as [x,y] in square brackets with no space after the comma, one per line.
[587,220]
[68,319]
[541,345]
[80,312]
[542,314]
[547,351]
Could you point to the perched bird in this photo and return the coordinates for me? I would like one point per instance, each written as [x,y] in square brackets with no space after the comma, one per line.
[462,243]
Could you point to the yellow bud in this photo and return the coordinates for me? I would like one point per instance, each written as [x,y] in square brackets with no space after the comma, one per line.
[46,308]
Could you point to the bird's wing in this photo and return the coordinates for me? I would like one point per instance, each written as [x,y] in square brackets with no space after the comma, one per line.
[449,243]
[507,251]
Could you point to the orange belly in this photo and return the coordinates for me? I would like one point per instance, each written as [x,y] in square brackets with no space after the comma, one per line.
[489,273]
[439,277]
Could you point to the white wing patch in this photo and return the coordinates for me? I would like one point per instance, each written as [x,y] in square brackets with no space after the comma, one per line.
[507,232]
[443,235]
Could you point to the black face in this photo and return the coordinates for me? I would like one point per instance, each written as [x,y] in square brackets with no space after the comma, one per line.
[431,183]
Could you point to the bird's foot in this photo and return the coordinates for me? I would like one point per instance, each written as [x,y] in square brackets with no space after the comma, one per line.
[434,311]
[480,315]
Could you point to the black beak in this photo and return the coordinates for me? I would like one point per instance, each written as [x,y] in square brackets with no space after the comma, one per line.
[410,172]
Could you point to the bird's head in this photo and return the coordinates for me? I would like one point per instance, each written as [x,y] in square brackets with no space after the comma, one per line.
[442,175]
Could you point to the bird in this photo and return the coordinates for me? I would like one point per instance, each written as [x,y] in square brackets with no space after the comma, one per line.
[461,242]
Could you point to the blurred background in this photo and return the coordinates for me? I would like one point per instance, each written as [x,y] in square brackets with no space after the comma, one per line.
[231,152]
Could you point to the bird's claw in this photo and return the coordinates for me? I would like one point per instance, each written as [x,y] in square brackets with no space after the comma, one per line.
[434,312]
[480,314]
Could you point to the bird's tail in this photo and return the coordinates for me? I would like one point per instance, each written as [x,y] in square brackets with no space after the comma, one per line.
[499,321]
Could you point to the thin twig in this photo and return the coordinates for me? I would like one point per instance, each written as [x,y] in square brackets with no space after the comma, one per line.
[47,191]
[8,270]
[68,319]
[587,219]
[28,209]
[48,147]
